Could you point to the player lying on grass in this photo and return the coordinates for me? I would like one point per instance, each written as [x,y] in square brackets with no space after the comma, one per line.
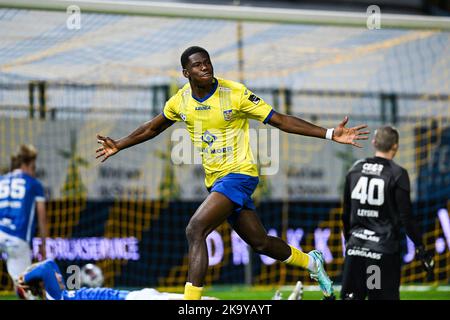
[216,113]
[44,280]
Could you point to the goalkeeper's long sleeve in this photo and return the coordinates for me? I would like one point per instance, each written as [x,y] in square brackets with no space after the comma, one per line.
[403,202]
[346,209]
[411,227]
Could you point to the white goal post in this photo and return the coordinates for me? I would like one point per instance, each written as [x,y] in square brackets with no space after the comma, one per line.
[244,13]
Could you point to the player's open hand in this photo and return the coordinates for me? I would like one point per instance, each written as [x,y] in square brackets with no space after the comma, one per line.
[345,135]
[108,148]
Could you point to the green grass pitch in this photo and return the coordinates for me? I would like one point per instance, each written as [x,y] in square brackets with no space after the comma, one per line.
[255,293]
[310,293]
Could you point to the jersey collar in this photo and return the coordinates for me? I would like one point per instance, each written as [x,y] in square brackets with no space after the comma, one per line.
[214,88]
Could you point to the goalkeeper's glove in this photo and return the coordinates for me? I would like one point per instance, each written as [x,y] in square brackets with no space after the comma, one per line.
[426,259]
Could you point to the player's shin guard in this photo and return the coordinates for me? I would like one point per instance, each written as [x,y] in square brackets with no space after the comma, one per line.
[298,258]
[192,292]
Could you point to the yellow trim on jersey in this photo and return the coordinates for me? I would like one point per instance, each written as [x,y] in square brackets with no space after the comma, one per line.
[218,126]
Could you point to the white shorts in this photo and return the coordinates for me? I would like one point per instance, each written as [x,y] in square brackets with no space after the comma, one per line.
[18,254]
[152,294]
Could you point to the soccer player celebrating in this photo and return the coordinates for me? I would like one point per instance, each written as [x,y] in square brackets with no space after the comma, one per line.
[216,114]
[376,202]
[21,194]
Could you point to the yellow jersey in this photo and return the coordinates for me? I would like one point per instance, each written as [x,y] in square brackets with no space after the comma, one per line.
[218,126]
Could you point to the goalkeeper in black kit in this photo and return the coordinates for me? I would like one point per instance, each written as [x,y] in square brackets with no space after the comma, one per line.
[376,204]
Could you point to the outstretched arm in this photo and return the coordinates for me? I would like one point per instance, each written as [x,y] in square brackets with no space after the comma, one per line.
[145,132]
[341,134]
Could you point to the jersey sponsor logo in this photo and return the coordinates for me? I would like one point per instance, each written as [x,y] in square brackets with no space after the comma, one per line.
[254,99]
[372,168]
[364,253]
[209,138]
[7,223]
[10,204]
[367,213]
[366,235]
[227,114]
[202,108]
[217,151]
[183,116]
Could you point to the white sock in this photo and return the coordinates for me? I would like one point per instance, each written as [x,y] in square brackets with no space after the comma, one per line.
[312,266]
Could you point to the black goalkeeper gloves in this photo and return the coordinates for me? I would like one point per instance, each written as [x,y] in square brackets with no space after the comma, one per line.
[426,259]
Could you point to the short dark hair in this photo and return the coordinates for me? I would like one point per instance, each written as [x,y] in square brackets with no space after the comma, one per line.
[189,52]
[385,138]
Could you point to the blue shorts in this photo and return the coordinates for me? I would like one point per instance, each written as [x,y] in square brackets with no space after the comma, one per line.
[238,188]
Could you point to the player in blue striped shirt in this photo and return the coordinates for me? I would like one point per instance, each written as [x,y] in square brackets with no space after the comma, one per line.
[21,196]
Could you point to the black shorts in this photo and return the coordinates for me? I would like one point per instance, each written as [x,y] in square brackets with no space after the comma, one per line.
[359,282]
